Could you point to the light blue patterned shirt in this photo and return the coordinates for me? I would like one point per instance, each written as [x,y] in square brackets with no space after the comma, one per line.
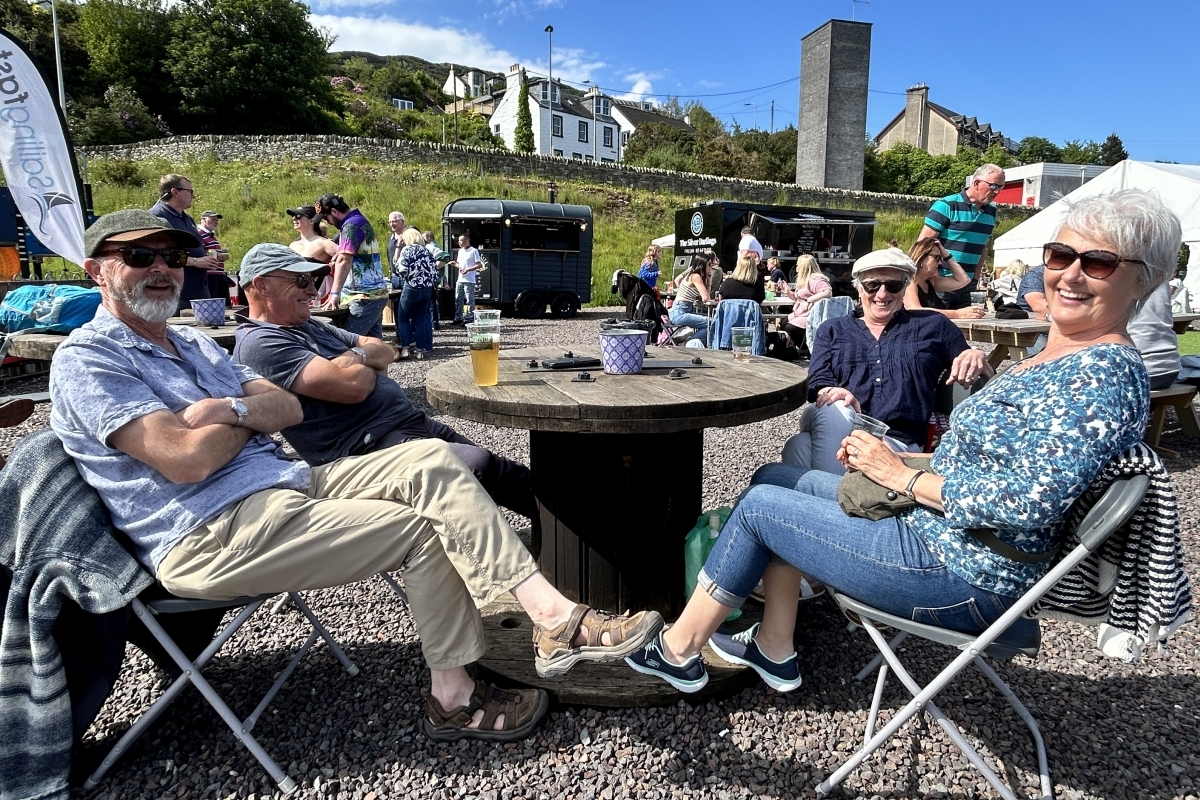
[1020,451]
[105,376]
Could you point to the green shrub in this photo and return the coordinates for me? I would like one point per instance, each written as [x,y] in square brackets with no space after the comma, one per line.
[118,172]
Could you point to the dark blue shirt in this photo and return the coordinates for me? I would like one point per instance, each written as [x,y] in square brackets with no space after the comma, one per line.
[195,279]
[1033,281]
[894,378]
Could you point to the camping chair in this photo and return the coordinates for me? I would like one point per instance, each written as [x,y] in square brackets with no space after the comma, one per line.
[823,310]
[738,314]
[156,602]
[1006,637]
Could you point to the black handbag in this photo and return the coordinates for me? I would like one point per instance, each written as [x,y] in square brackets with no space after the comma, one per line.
[859,496]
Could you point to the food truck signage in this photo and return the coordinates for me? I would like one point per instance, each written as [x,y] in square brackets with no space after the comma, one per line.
[697,224]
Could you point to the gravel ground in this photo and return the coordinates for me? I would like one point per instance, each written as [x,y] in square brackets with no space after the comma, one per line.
[1112,730]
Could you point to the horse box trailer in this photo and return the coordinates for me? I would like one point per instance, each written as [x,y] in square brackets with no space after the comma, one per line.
[835,237]
[539,254]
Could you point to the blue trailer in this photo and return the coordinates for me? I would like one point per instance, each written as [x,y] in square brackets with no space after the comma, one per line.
[539,254]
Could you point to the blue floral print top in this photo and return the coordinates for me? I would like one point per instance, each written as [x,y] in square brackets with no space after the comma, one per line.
[1020,451]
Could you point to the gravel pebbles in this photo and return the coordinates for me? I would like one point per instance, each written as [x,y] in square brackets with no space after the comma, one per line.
[1112,730]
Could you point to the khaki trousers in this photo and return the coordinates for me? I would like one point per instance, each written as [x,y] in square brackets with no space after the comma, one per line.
[414,507]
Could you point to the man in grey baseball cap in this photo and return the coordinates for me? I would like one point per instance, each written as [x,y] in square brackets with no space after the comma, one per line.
[264,259]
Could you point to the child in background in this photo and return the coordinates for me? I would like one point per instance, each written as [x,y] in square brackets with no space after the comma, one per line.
[649,270]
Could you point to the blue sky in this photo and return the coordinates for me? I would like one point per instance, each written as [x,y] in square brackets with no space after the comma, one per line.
[1062,69]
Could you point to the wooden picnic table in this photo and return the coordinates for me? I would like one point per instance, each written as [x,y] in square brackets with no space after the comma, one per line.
[617,469]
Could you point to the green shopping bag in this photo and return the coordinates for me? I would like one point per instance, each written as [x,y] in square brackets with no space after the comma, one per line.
[698,544]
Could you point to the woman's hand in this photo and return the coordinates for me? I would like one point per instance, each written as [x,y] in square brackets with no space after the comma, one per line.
[863,452]
[970,312]
[967,368]
[831,394]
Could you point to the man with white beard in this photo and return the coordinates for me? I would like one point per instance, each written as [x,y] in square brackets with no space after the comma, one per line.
[174,436]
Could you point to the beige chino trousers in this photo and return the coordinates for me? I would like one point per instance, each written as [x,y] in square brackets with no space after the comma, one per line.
[414,507]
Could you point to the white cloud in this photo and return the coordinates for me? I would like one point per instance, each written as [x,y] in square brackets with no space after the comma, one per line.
[513,8]
[643,86]
[333,5]
[388,36]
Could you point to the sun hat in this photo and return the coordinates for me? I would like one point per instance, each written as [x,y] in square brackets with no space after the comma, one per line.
[888,258]
[129,225]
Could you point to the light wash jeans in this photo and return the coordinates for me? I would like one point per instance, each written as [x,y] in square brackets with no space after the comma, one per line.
[793,513]
[821,433]
[684,314]
[368,321]
[464,295]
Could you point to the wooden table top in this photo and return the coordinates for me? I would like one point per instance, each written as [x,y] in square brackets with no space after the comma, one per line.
[1016,332]
[726,394]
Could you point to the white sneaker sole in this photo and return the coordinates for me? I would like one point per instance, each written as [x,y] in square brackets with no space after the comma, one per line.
[769,679]
[687,687]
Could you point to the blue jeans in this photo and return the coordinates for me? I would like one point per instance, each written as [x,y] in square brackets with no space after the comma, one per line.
[464,295]
[414,321]
[684,314]
[369,319]
[794,513]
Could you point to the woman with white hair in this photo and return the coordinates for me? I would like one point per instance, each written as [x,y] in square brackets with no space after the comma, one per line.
[1017,455]
[1008,282]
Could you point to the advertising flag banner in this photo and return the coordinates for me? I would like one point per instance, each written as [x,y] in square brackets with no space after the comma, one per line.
[35,154]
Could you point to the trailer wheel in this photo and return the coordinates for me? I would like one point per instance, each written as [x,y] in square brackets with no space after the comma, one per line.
[564,305]
[531,305]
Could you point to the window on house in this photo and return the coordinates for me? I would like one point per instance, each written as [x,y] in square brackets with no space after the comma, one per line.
[624,138]
[605,106]
[587,158]
[545,91]
[495,129]
[554,92]
[606,160]
[556,125]
[583,130]
[403,105]
[558,153]
[608,137]
[577,156]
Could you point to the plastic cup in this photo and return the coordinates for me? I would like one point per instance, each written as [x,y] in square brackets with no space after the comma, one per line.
[743,340]
[979,299]
[488,316]
[871,425]
[483,339]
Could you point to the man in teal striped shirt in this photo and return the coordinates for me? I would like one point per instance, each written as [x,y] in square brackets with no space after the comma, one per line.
[964,222]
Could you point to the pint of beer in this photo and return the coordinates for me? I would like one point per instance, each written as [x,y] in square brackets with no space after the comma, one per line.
[484,341]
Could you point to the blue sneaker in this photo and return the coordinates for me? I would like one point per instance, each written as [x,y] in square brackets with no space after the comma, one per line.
[650,660]
[740,648]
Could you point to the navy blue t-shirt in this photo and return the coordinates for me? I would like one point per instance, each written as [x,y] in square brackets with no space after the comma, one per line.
[894,378]
[1033,281]
[330,430]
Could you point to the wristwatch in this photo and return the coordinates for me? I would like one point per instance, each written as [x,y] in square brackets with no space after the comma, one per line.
[240,409]
[361,353]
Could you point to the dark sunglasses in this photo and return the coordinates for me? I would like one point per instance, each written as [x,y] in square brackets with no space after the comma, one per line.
[302,281]
[1098,264]
[893,287]
[995,187]
[143,257]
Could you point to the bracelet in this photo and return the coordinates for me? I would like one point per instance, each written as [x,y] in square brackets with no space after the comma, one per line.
[912,484]
[335,294]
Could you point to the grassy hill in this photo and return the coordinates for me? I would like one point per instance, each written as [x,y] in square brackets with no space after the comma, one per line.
[252,197]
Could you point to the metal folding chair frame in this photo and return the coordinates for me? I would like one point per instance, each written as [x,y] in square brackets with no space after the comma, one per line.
[1110,512]
[191,673]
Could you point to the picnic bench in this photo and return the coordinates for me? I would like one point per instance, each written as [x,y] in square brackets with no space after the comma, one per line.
[617,469]
[1178,396]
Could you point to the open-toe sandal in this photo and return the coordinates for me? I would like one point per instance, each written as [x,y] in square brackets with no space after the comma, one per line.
[523,709]
[555,650]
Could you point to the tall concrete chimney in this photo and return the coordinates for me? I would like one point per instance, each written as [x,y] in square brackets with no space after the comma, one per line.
[916,116]
[834,66]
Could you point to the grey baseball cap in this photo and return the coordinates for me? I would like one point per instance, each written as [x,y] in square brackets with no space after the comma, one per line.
[888,258]
[269,257]
[129,225]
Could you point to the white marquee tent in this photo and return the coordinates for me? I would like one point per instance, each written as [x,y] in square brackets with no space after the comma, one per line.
[1178,185]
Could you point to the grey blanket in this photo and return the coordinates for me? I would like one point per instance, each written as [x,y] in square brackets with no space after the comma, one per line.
[56,537]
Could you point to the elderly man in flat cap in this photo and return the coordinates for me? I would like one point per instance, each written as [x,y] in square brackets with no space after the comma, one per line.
[175,438]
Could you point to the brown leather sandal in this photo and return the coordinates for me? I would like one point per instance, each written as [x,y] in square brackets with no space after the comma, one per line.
[523,709]
[626,634]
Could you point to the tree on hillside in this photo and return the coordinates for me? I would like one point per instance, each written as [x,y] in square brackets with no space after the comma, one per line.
[1112,151]
[395,80]
[707,126]
[32,25]
[127,44]
[667,143]
[251,66]
[1077,152]
[523,138]
[1035,149]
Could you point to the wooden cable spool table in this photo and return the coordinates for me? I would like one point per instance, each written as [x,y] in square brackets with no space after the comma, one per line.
[617,470]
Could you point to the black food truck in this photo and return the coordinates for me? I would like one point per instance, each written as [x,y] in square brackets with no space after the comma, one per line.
[835,237]
[539,254]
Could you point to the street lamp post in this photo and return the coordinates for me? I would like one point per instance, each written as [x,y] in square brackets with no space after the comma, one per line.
[550,62]
[62,94]
[595,126]
[755,113]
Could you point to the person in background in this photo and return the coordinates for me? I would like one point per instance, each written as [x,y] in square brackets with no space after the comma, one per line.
[175,197]
[964,223]
[219,283]
[395,244]
[748,244]
[357,269]
[811,286]
[1152,330]
[441,257]
[927,286]
[468,264]
[775,272]
[1031,295]
[716,275]
[418,273]
[1008,282]
[690,294]
[746,282]
[207,229]
[649,270]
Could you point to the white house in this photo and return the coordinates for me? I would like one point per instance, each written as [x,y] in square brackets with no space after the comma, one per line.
[563,124]
[630,114]
[471,84]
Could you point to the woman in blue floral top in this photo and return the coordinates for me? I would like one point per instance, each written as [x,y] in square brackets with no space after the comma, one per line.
[1017,454]
[414,322]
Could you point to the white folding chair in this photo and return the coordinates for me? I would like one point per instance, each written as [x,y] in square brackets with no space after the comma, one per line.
[156,602]
[1006,637]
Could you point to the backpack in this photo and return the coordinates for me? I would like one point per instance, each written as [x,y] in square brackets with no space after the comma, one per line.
[49,307]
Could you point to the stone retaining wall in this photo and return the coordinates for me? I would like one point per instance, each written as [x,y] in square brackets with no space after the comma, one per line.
[502,162]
